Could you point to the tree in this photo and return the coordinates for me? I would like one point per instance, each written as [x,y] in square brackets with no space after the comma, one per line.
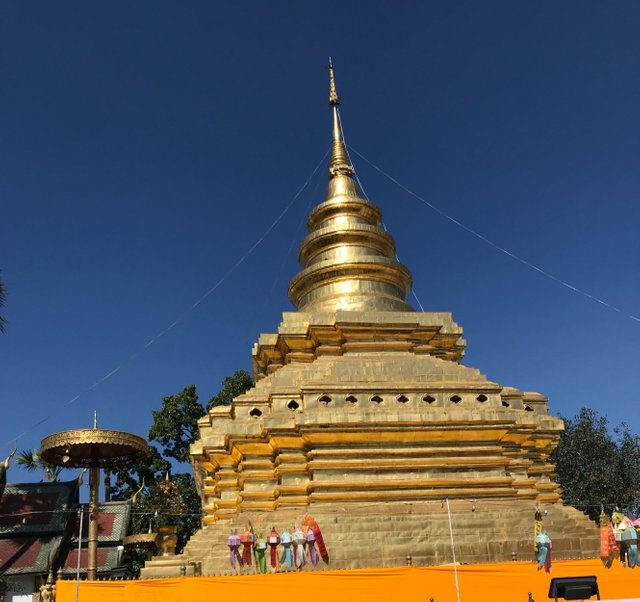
[158,503]
[3,298]
[595,467]
[32,462]
[130,477]
[175,426]
[232,386]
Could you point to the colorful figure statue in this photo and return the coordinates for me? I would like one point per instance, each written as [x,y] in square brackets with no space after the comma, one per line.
[311,547]
[627,538]
[234,555]
[261,551]
[632,552]
[537,527]
[299,540]
[273,540]
[544,551]
[246,539]
[628,543]
[608,544]
[313,526]
[286,540]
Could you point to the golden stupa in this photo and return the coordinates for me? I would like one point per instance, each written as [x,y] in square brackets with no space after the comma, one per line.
[363,416]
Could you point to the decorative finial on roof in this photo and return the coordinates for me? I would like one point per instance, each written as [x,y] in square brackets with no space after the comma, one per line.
[134,497]
[5,464]
[81,476]
[4,467]
[95,419]
[334,99]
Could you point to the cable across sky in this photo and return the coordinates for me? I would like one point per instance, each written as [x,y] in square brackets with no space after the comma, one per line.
[496,246]
[184,314]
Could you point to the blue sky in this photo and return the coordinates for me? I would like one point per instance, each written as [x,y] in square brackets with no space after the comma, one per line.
[146,146]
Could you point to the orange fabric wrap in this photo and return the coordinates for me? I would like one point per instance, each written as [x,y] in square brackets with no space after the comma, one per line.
[504,582]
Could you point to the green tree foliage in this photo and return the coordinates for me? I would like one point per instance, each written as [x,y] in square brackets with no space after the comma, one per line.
[147,470]
[232,386]
[175,426]
[174,429]
[595,466]
[31,461]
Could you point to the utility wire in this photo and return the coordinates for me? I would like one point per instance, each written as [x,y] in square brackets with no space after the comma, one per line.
[294,238]
[182,316]
[494,245]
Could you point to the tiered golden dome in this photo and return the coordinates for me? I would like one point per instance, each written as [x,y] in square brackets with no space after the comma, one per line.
[348,259]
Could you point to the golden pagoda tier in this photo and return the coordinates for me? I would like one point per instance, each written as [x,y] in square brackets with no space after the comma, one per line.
[361,399]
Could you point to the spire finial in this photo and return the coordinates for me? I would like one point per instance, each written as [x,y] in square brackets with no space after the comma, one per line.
[95,419]
[334,99]
[339,164]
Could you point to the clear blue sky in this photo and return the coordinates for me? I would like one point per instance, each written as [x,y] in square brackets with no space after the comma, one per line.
[144,147]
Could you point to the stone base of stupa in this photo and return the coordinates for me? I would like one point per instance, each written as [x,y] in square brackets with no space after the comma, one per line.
[388,535]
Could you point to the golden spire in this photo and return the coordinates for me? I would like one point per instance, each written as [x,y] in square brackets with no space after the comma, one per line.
[339,163]
[348,259]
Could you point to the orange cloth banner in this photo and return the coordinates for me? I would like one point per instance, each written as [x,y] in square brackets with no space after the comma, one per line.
[503,582]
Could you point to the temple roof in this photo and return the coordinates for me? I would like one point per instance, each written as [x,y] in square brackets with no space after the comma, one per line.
[26,555]
[113,523]
[348,259]
[36,508]
[33,522]
[39,526]
[113,526]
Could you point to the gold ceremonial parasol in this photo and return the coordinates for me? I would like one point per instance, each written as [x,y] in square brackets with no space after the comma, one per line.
[94,449]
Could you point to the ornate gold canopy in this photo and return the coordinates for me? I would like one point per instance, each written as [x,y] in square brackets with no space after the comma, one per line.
[91,448]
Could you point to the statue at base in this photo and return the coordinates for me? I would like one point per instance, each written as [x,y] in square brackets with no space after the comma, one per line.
[246,539]
[273,540]
[544,551]
[234,554]
[261,552]
[287,556]
[313,526]
[311,547]
[608,543]
[299,540]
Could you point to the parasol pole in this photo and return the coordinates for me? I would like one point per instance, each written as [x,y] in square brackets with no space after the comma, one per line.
[92,540]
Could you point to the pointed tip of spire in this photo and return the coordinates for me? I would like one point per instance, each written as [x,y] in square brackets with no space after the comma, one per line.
[334,99]
[95,419]
[339,164]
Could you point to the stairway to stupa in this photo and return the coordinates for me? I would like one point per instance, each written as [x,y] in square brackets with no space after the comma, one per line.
[384,535]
